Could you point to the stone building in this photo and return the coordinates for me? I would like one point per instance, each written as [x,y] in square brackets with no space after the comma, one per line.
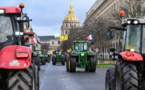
[53,43]
[104,8]
[70,20]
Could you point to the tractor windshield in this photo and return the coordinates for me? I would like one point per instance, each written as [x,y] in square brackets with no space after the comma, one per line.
[133,37]
[6,30]
[81,46]
[58,53]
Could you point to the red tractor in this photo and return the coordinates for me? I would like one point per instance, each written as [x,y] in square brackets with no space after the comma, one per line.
[17,68]
[129,70]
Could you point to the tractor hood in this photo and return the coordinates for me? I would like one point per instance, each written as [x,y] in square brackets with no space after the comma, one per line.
[8,58]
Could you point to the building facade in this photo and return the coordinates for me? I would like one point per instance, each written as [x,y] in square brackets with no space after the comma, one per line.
[104,8]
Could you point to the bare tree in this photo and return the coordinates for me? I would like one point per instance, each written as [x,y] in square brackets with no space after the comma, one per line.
[45,46]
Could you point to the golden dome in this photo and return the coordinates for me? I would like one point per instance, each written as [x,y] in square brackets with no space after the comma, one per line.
[71,17]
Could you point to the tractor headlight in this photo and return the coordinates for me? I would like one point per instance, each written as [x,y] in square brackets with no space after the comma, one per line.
[128,22]
[135,22]
[82,54]
[19,33]
[132,50]
[22,55]
[2,11]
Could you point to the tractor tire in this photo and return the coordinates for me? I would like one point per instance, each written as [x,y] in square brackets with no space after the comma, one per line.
[67,69]
[37,78]
[108,81]
[43,61]
[126,76]
[92,64]
[37,62]
[63,61]
[22,79]
[72,63]
[54,61]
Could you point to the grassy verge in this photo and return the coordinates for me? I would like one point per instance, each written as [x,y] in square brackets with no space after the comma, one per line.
[104,65]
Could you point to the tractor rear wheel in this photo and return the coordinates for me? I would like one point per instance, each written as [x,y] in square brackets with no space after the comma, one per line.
[22,79]
[63,61]
[37,61]
[108,81]
[72,64]
[54,61]
[126,77]
[92,64]
[43,61]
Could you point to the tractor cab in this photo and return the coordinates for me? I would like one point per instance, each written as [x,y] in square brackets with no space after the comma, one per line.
[11,26]
[81,45]
[134,35]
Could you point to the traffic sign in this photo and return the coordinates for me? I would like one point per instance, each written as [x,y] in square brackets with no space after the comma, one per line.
[97,50]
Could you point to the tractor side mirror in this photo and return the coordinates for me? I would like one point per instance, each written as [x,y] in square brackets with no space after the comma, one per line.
[109,34]
[112,49]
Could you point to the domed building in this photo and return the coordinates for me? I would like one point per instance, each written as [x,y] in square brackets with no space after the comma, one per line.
[70,20]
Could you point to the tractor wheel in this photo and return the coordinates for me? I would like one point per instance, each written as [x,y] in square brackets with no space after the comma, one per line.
[54,61]
[43,61]
[67,69]
[37,77]
[108,81]
[72,64]
[37,61]
[63,61]
[92,64]
[22,79]
[126,77]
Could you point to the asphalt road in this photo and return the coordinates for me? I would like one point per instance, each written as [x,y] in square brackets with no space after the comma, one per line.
[56,78]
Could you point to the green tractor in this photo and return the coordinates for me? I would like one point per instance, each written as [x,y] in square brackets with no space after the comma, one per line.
[42,56]
[82,56]
[37,58]
[58,56]
[46,56]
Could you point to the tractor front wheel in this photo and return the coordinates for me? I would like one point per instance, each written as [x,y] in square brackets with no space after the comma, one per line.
[63,61]
[22,79]
[72,64]
[54,61]
[43,61]
[108,81]
[92,64]
[126,77]
[37,61]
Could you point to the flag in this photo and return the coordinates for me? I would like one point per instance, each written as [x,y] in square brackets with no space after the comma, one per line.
[34,40]
[64,37]
[69,50]
[90,37]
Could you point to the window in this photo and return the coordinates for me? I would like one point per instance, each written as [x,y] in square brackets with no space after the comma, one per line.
[58,42]
[70,25]
[65,32]
[66,25]
[52,42]
[133,37]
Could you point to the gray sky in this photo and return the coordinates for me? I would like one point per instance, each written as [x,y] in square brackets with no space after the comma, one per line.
[48,15]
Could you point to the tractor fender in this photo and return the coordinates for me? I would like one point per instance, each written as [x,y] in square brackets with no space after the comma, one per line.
[93,54]
[8,58]
[73,55]
[112,75]
[130,56]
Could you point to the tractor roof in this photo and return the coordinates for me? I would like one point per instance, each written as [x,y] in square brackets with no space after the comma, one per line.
[11,10]
[81,41]
[140,20]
